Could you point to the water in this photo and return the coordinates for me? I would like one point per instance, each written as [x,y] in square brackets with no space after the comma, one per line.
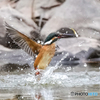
[56,83]
[56,86]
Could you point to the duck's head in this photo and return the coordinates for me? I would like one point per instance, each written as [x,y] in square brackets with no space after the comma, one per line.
[62,33]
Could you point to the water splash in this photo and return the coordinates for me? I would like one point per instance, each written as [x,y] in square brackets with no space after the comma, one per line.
[49,73]
[56,79]
[51,69]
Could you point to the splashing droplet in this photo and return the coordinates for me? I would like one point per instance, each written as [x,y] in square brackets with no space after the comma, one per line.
[81,43]
[85,65]
[21,20]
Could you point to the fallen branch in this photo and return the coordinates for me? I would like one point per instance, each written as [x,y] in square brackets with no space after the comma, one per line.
[48,8]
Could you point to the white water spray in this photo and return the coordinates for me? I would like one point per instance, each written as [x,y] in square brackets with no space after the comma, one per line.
[51,69]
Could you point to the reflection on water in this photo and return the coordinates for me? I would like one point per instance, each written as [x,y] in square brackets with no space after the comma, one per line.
[57,85]
[48,93]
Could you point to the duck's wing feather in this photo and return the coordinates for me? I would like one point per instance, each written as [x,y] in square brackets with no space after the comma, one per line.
[27,44]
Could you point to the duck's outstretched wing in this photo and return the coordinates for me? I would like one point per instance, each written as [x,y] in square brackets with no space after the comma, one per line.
[27,44]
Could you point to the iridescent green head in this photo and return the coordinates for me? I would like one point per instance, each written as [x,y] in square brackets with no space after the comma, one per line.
[62,33]
[49,38]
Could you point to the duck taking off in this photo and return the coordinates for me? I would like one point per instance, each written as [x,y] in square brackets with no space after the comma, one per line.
[44,52]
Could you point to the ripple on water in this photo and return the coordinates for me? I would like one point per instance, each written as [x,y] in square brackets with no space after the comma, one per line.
[68,79]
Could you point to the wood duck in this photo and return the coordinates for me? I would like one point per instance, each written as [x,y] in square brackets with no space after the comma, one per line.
[44,52]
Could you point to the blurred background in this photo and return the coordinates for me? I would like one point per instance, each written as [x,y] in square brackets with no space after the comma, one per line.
[76,64]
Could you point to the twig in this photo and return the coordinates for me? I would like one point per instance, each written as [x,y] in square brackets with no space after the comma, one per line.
[32,12]
[48,8]
[40,22]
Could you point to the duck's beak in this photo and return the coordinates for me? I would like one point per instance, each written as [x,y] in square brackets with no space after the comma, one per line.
[68,34]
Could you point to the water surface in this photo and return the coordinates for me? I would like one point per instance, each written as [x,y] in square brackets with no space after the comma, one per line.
[55,84]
